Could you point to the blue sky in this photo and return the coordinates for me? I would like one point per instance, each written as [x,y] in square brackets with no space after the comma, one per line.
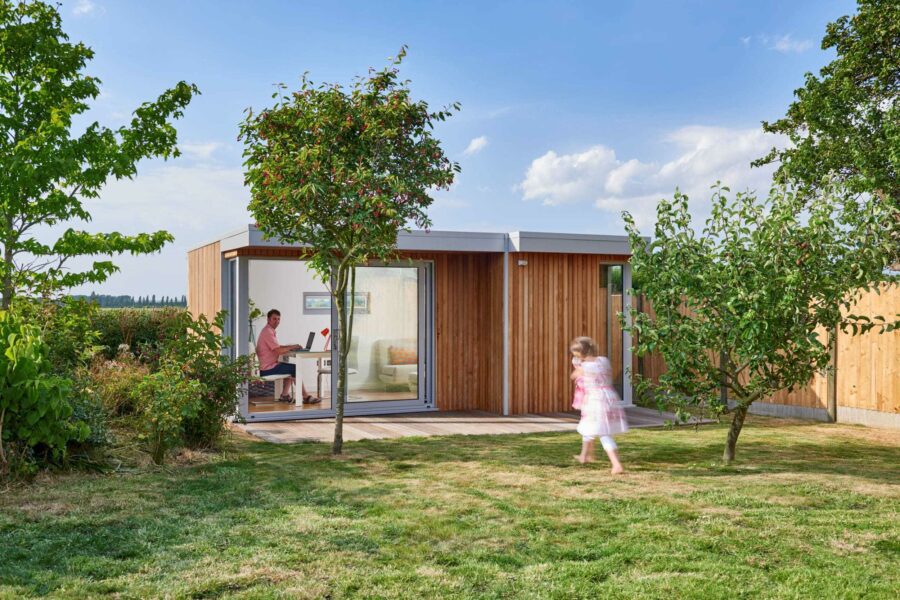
[571,111]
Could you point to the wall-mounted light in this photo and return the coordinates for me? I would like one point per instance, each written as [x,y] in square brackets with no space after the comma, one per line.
[523,262]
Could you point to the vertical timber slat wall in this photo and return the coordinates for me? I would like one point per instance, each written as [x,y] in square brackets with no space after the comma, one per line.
[468,329]
[868,365]
[204,295]
[552,299]
[868,371]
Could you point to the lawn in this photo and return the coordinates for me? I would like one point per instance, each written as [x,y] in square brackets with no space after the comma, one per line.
[810,510]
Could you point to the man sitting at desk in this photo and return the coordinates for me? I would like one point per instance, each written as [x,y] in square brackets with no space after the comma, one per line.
[268,350]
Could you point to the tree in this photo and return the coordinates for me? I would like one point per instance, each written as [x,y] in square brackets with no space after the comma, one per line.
[845,123]
[46,170]
[743,304]
[343,171]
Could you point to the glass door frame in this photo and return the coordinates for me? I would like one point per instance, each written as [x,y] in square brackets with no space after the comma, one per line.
[610,317]
[235,297]
[236,294]
[425,385]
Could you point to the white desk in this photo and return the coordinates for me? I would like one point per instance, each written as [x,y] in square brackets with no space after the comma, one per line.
[288,357]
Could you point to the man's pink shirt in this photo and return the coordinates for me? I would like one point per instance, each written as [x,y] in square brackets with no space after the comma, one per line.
[267,348]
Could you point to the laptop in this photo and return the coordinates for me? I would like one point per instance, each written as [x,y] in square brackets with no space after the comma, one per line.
[309,342]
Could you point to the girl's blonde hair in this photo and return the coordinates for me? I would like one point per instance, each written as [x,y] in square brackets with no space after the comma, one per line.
[584,346]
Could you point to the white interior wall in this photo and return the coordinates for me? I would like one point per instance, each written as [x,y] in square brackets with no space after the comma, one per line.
[280,284]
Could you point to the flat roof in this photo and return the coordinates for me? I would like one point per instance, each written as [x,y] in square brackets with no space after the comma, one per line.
[459,241]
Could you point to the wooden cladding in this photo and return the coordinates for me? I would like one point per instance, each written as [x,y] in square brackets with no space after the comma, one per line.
[204,295]
[553,298]
[868,365]
[468,329]
[265,252]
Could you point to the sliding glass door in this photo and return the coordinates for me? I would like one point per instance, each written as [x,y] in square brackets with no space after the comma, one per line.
[391,346]
[390,342]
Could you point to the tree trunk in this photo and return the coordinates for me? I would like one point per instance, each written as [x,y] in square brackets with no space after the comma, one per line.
[340,296]
[737,423]
[345,335]
[6,286]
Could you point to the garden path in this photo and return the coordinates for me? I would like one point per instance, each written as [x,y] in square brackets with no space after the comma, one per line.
[434,423]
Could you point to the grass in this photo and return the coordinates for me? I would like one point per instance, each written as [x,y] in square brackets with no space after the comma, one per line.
[810,510]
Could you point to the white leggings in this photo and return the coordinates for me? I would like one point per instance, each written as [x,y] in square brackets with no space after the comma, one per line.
[608,443]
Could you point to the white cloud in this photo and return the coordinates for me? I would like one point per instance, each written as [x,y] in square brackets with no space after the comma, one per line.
[476,145]
[86,7]
[745,40]
[200,151]
[786,44]
[560,179]
[702,156]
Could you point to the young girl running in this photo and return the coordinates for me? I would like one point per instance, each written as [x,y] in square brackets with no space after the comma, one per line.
[601,414]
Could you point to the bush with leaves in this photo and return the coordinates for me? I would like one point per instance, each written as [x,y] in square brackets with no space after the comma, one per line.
[141,329]
[35,411]
[168,399]
[112,383]
[199,352]
[89,409]
[67,328]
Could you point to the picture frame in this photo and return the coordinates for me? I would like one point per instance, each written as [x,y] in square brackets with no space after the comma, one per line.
[319,303]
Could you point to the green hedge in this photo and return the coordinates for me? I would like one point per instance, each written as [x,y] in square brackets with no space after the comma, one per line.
[136,327]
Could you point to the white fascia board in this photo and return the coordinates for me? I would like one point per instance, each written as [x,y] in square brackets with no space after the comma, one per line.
[234,240]
[222,240]
[568,243]
[465,241]
[258,240]
[450,241]
[420,241]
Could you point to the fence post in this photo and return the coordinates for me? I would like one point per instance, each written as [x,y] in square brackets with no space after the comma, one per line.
[831,385]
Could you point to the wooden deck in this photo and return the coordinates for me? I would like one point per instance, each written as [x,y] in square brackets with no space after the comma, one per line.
[433,423]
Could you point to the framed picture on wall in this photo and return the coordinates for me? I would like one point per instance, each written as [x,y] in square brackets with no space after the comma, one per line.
[319,303]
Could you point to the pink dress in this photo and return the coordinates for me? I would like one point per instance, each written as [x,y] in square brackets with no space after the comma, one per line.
[601,411]
[578,396]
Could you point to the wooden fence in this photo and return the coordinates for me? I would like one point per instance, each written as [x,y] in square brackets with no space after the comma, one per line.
[867,374]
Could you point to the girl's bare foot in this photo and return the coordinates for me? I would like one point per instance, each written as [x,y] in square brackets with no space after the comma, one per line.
[618,470]
[579,458]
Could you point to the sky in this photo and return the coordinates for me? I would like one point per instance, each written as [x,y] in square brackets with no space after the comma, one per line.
[571,111]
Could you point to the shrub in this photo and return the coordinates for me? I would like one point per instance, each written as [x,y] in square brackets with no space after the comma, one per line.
[89,409]
[67,328]
[199,353]
[113,383]
[141,329]
[34,407]
[168,398]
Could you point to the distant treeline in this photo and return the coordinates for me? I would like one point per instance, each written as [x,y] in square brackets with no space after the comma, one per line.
[107,301]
